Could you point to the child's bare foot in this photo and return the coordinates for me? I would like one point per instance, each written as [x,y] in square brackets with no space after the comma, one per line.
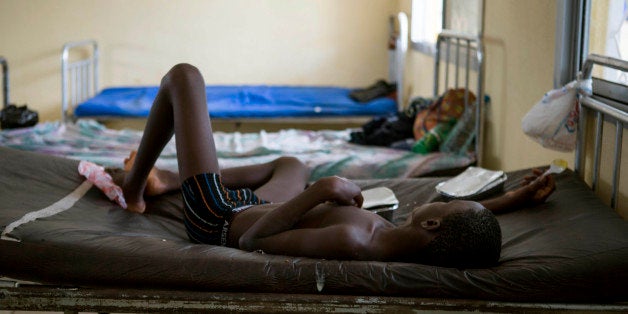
[133,196]
[158,182]
[134,203]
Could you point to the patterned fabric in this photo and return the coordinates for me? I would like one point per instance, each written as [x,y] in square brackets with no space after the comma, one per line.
[209,207]
[325,152]
[450,106]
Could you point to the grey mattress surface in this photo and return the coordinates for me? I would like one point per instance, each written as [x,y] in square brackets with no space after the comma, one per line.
[573,248]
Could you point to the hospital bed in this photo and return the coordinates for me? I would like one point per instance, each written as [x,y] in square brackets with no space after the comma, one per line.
[81,97]
[83,253]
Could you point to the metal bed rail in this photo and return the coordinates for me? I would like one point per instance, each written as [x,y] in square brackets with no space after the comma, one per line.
[603,110]
[468,56]
[5,81]
[79,78]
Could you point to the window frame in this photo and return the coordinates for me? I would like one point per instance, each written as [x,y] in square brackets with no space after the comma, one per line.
[423,45]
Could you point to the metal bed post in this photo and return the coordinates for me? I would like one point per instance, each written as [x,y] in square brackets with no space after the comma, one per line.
[447,60]
[79,79]
[457,62]
[439,39]
[602,110]
[446,37]
[479,109]
[5,81]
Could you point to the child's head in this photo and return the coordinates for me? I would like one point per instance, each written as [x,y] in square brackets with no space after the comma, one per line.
[466,235]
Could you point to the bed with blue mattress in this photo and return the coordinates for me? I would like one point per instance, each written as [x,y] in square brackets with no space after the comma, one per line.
[243,101]
[82,98]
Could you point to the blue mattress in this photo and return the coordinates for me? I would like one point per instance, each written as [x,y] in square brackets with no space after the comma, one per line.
[254,101]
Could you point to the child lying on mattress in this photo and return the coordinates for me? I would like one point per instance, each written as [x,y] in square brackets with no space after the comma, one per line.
[268,207]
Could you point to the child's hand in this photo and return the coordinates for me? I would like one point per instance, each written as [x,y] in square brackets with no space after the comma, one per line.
[536,188]
[339,190]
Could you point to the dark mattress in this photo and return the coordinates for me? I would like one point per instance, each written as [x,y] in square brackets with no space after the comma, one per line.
[570,249]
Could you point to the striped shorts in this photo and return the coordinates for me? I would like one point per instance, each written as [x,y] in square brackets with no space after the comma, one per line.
[209,207]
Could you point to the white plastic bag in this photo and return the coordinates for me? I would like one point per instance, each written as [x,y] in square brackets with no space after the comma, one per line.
[553,121]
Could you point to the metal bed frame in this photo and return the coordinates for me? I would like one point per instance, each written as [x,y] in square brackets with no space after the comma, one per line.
[79,79]
[605,109]
[468,54]
[16,295]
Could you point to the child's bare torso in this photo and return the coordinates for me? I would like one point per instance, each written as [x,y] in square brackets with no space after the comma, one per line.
[323,215]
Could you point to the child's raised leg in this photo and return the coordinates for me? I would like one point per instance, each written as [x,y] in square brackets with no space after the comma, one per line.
[180,108]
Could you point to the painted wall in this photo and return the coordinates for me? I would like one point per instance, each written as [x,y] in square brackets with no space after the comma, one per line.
[232,41]
[519,37]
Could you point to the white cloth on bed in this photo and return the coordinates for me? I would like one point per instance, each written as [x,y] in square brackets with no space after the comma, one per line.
[102,180]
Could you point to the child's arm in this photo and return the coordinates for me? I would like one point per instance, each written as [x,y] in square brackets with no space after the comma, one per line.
[286,216]
[535,190]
